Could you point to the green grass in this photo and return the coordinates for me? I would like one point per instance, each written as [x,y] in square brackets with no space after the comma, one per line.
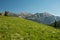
[12,28]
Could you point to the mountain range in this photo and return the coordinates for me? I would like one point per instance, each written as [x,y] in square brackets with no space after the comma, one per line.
[44,18]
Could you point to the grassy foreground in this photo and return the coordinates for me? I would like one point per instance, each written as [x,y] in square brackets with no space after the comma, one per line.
[12,28]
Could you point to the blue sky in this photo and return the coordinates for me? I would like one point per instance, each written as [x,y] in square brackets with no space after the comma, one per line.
[31,6]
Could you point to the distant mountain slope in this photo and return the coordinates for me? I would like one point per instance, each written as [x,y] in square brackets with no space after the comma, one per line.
[11,14]
[24,14]
[7,13]
[57,18]
[12,28]
[44,18]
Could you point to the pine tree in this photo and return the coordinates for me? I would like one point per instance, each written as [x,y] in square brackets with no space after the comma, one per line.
[55,24]
[6,13]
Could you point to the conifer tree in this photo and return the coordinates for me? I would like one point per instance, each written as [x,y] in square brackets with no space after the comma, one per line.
[55,24]
[6,13]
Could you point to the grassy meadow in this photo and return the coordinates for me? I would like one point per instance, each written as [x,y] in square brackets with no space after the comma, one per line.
[13,28]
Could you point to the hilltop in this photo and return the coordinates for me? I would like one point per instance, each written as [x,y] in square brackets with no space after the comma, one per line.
[13,28]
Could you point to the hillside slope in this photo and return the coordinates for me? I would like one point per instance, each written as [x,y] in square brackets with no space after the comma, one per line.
[12,28]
